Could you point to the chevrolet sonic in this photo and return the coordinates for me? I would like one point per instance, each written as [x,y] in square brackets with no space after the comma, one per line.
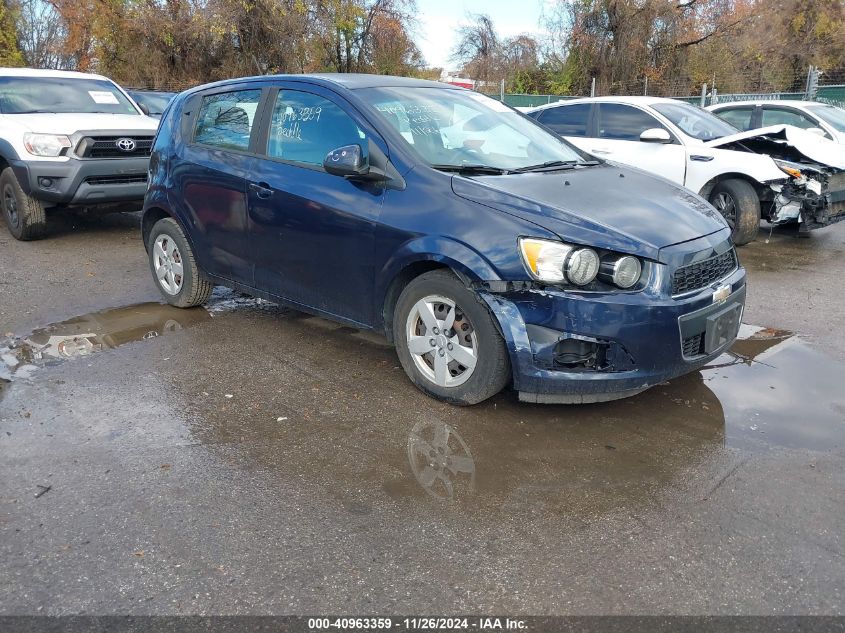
[488,250]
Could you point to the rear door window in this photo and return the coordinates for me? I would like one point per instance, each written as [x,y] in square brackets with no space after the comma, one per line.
[225,119]
[570,120]
[740,118]
[618,122]
[782,116]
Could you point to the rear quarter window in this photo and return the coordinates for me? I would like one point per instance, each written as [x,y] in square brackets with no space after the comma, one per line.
[568,120]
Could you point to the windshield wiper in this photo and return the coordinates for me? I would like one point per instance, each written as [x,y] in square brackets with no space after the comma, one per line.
[473,169]
[553,165]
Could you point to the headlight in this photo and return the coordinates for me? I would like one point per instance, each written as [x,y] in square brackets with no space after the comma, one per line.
[582,266]
[556,262]
[559,263]
[626,271]
[45,144]
[788,169]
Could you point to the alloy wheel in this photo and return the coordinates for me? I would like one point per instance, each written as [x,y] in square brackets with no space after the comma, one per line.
[10,203]
[726,205]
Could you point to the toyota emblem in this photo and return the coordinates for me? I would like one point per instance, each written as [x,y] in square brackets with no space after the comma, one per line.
[125,144]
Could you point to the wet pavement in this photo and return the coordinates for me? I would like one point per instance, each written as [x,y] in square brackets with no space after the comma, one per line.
[247,458]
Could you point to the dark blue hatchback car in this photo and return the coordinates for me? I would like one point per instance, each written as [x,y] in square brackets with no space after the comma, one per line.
[487,249]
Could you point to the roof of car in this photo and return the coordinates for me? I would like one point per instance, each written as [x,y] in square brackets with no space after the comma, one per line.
[633,100]
[755,102]
[42,72]
[350,81]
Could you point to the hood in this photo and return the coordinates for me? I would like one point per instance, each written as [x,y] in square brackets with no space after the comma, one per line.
[605,206]
[786,142]
[48,123]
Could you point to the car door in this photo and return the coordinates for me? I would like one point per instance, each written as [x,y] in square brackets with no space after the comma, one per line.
[312,232]
[210,183]
[617,138]
[782,115]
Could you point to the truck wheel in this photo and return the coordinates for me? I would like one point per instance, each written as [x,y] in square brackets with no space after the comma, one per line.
[174,266]
[24,215]
[447,341]
[739,204]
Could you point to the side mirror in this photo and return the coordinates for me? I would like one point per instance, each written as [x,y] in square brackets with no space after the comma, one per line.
[347,161]
[144,109]
[817,131]
[655,135]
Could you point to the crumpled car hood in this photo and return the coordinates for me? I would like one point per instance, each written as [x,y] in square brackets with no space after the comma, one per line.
[783,137]
[606,206]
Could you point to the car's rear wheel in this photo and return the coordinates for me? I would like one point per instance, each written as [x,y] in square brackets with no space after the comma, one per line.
[739,204]
[447,341]
[24,215]
[174,266]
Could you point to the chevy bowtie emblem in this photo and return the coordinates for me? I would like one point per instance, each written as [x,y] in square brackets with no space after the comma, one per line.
[721,293]
[125,144]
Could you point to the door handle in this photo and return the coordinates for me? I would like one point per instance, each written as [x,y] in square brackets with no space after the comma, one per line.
[600,151]
[261,189]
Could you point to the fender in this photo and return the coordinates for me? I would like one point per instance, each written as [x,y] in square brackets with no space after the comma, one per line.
[468,265]
[755,167]
[10,155]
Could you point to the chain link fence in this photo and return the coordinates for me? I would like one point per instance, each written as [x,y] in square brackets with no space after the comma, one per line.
[826,87]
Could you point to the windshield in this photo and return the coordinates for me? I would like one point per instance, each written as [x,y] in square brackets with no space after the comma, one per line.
[27,95]
[156,102]
[830,114]
[694,121]
[455,128]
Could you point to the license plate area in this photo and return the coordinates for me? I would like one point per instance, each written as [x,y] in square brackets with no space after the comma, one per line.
[722,327]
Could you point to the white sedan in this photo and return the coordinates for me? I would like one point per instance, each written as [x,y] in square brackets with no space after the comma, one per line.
[780,173]
[821,118]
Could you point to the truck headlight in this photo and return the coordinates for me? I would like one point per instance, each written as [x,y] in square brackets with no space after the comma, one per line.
[45,144]
[556,262]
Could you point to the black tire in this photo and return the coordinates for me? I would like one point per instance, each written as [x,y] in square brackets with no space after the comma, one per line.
[194,288]
[24,215]
[739,204]
[492,369]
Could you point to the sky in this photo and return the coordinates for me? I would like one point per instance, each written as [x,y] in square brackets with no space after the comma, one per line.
[439,19]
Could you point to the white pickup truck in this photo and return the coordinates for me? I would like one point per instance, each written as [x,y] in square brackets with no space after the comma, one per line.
[68,139]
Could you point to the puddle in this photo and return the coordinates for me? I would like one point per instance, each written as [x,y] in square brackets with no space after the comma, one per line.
[88,334]
[777,390]
[91,333]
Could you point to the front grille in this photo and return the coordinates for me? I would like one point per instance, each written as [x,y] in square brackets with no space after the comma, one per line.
[119,179]
[700,274]
[694,345]
[106,147]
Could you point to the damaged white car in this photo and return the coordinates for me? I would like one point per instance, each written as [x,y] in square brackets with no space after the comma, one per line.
[780,173]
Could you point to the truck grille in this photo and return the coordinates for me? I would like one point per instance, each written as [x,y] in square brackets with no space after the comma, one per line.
[108,147]
[118,179]
[701,274]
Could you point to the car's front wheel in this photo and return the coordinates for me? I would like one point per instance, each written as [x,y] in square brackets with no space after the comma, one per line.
[739,204]
[24,215]
[174,266]
[447,341]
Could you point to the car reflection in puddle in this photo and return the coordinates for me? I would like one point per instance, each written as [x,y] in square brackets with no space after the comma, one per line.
[770,390]
[92,333]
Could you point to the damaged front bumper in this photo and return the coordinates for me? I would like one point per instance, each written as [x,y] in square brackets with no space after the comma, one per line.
[815,199]
[569,347]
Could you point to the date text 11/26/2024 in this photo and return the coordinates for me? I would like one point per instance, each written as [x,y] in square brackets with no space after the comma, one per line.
[419,623]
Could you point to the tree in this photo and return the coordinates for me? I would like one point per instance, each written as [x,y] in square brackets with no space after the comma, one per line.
[10,53]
